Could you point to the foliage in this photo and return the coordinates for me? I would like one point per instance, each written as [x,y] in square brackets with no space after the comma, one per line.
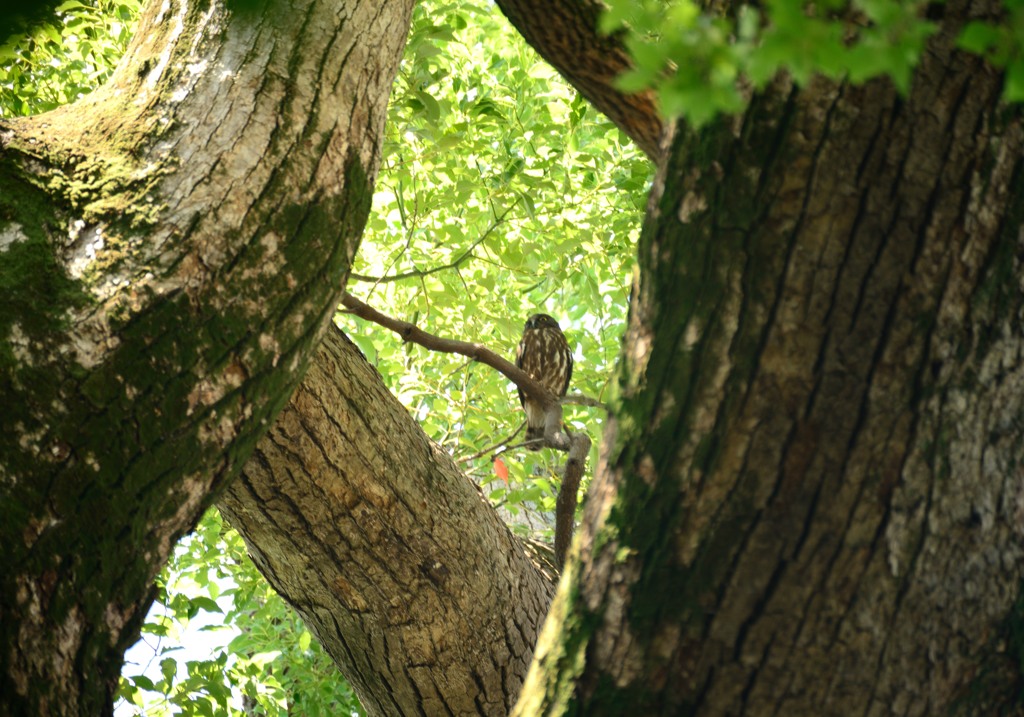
[707,62]
[261,652]
[502,193]
[1002,44]
[66,59]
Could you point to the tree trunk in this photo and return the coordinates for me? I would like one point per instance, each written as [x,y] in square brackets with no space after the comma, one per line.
[813,502]
[389,553]
[172,248]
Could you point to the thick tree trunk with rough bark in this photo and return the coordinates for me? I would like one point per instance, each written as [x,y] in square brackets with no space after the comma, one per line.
[389,553]
[812,501]
[171,249]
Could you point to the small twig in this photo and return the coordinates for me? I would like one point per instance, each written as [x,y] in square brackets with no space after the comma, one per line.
[494,447]
[420,273]
[532,443]
[578,399]
[400,200]
[461,367]
[426,295]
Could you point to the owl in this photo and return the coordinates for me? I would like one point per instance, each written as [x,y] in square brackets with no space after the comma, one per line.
[545,355]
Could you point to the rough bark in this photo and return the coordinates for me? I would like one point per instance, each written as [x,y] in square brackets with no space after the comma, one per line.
[172,248]
[813,503]
[391,555]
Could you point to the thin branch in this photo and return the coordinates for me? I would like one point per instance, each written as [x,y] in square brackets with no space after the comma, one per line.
[420,273]
[578,399]
[530,443]
[577,444]
[461,367]
[426,295]
[490,449]
[478,352]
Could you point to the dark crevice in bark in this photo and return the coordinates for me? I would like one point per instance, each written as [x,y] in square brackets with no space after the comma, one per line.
[873,152]
[868,280]
[807,521]
[781,127]
[418,698]
[860,216]
[758,608]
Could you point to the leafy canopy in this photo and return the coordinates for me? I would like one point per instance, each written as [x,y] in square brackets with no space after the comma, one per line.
[704,63]
[502,193]
[65,58]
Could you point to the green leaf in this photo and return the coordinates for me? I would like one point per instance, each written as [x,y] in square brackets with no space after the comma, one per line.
[261,659]
[1014,88]
[202,602]
[143,682]
[978,37]
[168,668]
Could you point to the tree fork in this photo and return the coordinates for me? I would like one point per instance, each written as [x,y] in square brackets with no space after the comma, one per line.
[388,586]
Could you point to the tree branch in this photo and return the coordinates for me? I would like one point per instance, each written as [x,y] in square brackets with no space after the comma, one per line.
[578,399]
[565,34]
[494,447]
[577,444]
[565,503]
[478,352]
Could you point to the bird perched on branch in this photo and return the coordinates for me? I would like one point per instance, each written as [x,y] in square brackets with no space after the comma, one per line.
[545,355]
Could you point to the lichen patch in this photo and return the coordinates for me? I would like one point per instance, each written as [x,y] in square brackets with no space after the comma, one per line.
[19,344]
[86,242]
[10,234]
[692,204]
